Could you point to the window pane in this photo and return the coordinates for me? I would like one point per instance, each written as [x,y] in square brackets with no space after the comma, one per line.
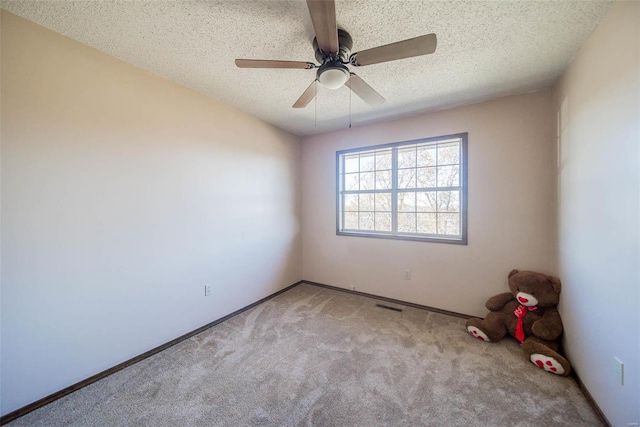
[427,156]
[367,161]
[404,190]
[426,201]
[449,223]
[383,221]
[351,181]
[427,223]
[406,222]
[351,202]
[406,178]
[426,177]
[366,202]
[383,202]
[367,181]
[366,220]
[383,159]
[407,202]
[351,163]
[383,180]
[448,176]
[448,201]
[407,157]
[449,154]
[351,220]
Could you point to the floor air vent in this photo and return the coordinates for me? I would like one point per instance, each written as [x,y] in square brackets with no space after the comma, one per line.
[389,307]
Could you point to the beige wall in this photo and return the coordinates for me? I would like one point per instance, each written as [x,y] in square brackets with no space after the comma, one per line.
[123,195]
[511,187]
[599,211]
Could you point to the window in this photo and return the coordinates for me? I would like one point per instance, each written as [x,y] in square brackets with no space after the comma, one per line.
[414,190]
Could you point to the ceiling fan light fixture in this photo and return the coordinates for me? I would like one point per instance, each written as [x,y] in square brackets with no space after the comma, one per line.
[333,75]
[332,47]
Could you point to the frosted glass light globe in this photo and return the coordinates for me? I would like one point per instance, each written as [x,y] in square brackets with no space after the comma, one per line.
[333,78]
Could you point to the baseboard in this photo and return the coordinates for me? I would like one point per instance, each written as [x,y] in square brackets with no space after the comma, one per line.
[391,300]
[575,375]
[77,386]
[590,398]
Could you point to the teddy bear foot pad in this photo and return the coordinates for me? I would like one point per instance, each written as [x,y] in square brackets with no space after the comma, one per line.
[478,333]
[547,363]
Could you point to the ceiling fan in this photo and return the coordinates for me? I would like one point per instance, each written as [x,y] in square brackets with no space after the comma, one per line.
[333,51]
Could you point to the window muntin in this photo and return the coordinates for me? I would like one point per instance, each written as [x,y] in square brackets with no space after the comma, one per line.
[408,190]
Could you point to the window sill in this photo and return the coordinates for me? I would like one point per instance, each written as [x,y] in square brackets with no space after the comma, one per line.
[451,240]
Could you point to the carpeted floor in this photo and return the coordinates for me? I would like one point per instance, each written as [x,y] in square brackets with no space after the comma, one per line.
[319,357]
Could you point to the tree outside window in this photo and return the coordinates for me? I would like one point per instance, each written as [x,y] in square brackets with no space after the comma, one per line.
[412,190]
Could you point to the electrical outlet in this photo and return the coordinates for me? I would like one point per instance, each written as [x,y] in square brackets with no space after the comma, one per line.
[207,290]
[619,369]
[407,275]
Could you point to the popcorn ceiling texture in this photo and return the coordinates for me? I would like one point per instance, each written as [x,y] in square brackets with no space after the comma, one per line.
[485,49]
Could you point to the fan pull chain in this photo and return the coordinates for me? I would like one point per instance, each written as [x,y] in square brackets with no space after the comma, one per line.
[315,102]
[350,107]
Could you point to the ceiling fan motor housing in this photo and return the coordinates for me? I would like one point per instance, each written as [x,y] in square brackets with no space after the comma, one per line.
[333,74]
[345,44]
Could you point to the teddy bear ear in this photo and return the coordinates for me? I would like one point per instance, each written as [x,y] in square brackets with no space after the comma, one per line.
[555,282]
[513,272]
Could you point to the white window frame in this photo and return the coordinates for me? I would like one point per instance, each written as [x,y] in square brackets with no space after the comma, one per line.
[461,239]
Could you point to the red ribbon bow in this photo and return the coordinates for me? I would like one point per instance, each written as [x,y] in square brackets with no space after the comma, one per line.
[520,312]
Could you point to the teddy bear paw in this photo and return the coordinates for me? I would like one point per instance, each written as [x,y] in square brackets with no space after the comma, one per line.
[547,363]
[478,333]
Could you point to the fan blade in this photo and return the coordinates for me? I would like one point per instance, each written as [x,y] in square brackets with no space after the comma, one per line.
[263,63]
[422,45]
[364,91]
[323,17]
[306,96]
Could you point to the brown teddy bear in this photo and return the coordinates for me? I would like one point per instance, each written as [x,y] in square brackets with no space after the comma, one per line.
[529,314]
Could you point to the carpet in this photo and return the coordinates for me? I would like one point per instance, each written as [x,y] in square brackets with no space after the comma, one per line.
[318,357]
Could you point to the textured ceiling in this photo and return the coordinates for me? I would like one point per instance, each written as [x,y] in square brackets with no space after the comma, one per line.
[485,49]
